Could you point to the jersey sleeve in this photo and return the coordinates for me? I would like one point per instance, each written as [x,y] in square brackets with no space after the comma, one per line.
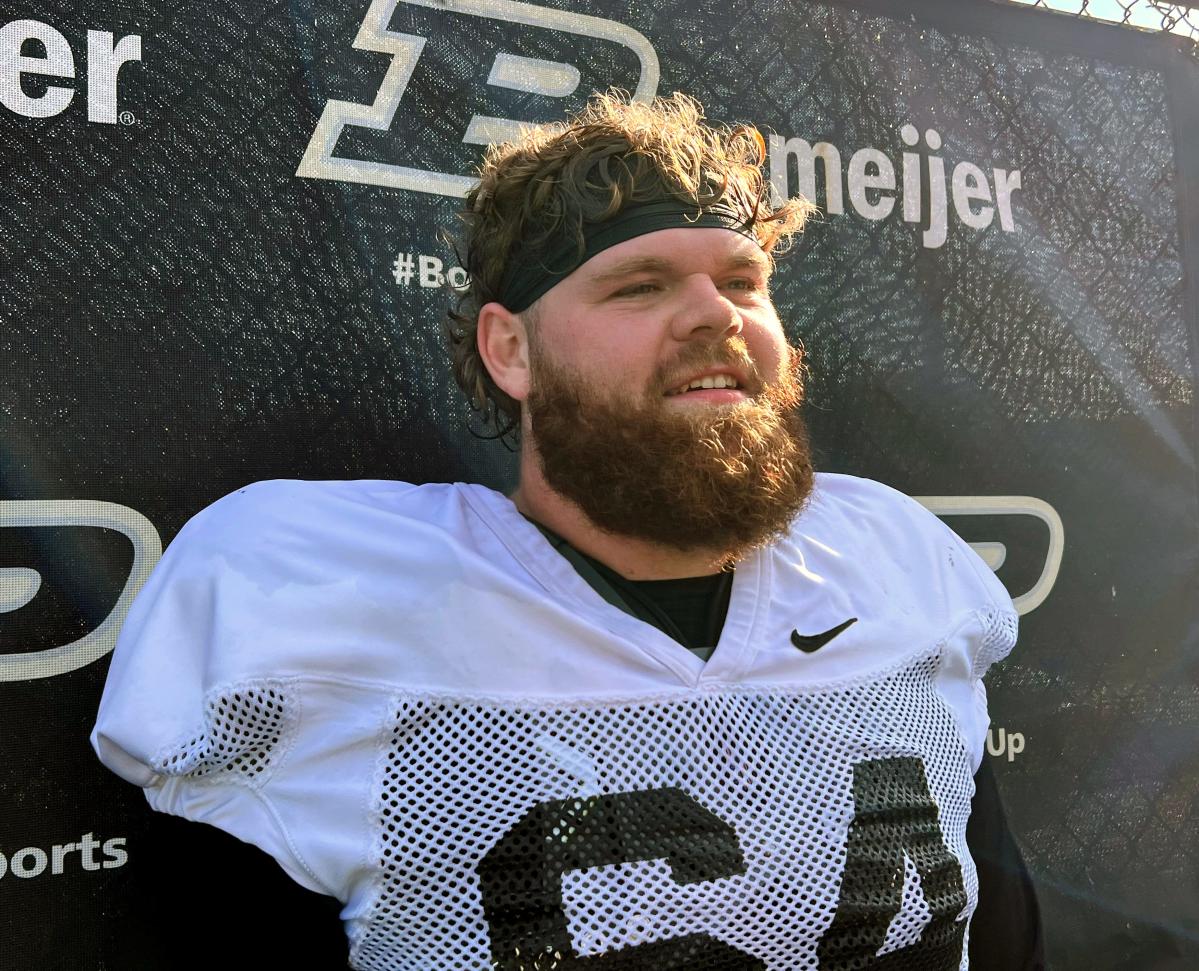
[182,715]
[936,568]
[986,594]
[961,595]
[986,635]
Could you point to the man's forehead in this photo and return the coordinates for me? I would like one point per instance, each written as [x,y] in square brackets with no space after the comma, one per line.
[676,250]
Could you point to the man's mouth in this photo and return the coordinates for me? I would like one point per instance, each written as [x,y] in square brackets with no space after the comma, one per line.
[707,382]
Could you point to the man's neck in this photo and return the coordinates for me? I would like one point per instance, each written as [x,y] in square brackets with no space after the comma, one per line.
[633,559]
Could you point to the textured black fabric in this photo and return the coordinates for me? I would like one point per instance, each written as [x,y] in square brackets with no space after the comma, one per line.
[183,314]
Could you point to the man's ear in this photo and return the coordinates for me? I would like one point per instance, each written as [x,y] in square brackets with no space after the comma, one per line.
[503,343]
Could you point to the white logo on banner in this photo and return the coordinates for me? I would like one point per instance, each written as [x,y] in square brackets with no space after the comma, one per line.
[874,188]
[19,585]
[534,75]
[994,553]
[1004,742]
[429,272]
[32,861]
[105,57]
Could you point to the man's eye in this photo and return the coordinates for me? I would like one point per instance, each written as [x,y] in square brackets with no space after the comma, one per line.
[744,283]
[636,289]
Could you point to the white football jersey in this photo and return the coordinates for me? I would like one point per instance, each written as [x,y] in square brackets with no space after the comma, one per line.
[412,702]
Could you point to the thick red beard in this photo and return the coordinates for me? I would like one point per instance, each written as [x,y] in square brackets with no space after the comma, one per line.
[726,479]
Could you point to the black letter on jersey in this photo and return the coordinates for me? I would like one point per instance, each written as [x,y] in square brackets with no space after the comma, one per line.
[521,878]
[893,813]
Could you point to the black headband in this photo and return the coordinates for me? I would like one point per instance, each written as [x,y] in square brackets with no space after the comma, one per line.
[526,280]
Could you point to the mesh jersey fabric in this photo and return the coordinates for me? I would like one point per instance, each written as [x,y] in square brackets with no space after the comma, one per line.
[414,704]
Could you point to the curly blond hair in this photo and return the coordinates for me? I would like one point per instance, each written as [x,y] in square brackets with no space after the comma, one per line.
[537,193]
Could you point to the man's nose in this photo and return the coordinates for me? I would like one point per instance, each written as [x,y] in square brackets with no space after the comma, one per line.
[704,313]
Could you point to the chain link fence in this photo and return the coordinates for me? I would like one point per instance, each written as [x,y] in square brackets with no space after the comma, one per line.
[1178,18]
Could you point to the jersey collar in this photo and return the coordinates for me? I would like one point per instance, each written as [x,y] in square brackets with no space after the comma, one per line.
[748,601]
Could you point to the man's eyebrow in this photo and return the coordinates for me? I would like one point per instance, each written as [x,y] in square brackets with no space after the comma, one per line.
[627,267]
[655,264]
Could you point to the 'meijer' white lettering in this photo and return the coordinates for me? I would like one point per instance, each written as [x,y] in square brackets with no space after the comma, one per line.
[105,57]
[871,185]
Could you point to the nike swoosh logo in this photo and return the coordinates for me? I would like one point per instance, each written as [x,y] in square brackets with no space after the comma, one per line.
[808,643]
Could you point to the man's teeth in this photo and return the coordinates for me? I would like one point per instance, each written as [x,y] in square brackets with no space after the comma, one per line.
[710,381]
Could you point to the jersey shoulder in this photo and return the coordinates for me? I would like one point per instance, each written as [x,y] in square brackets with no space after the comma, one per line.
[871,540]
[304,577]
[288,505]
[871,504]
[278,581]
[284,523]
[882,525]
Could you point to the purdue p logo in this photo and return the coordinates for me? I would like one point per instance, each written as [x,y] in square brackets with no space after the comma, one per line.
[502,60]
[19,585]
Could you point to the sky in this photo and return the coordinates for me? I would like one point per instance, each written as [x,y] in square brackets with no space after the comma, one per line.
[1143,12]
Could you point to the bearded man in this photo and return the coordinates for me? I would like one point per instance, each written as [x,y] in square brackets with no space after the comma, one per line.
[678,702]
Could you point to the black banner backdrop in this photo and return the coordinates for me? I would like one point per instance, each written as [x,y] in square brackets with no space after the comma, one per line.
[221,261]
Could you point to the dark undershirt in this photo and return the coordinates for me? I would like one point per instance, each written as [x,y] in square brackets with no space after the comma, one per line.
[690,610]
